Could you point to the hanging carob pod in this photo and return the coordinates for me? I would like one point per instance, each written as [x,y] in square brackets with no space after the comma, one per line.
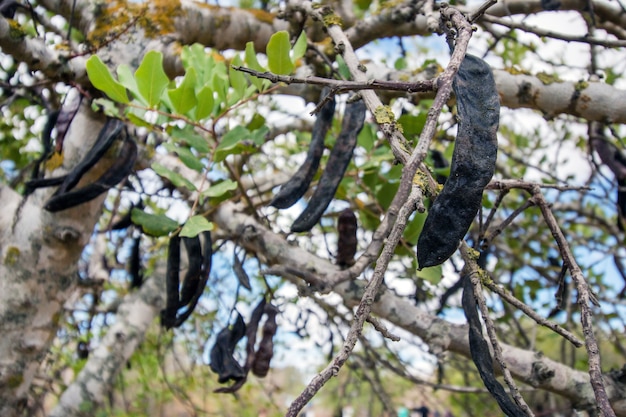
[473,163]
[185,296]
[294,189]
[338,162]
[66,196]
[479,351]
[346,238]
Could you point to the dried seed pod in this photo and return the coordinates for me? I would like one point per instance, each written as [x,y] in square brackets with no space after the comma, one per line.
[292,190]
[134,264]
[479,350]
[346,239]
[264,353]
[172,281]
[82,350]
[473,163]
[199,284]
[222,361]
[338,162]
[194,269]
[119,170]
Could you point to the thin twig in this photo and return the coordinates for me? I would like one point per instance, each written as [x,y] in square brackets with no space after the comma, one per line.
[342,86]
[481,10]
[382,329]
[551,34]
[528,185]
[509,298]
[585,296]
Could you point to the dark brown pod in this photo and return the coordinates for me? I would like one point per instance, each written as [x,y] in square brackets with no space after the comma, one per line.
[172,282]
[194,269]
[264,353]
[223,362]
[199,284]
[346,238]
[294,189]
[338,162]
[117,172]
[473,163]
[134,264]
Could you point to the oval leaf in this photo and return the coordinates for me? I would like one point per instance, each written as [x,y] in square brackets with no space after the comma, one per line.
[299,48]
[220,189]
[184,96]
[175,178]
[150,77]
[153,224]
[205,104]
[196,225]
[102,79]
[278,49]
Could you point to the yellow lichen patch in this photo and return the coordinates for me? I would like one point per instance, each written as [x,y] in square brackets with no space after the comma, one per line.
[384,114]
[515,71]
[547,79]
[12,256]
[160,18]
[55,161]
[420,179]
[113,18]
[330,18]
[15,30]
[262,15]
[581,85]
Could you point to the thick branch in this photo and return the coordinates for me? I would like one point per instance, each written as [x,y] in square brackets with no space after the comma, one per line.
[134,315]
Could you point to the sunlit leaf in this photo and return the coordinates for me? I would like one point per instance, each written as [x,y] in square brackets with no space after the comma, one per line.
[299,48]
[153,224]
[183,97]
[102,79]
[278,49]
[219,189]
[196,225]
[174,177]
[151,78]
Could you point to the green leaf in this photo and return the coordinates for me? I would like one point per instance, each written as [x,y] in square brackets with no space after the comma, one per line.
[432,274]
[219,189]
[251,60]
[153,224]
[175,178]
[237,79]
[232,143]
[196,225]
[185,155]
[191,138]
[206,102]
[278,49]
[367,137]
[102,79]
[299,48]
[150,77]
[126,77]
[107,106]
[184,96]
